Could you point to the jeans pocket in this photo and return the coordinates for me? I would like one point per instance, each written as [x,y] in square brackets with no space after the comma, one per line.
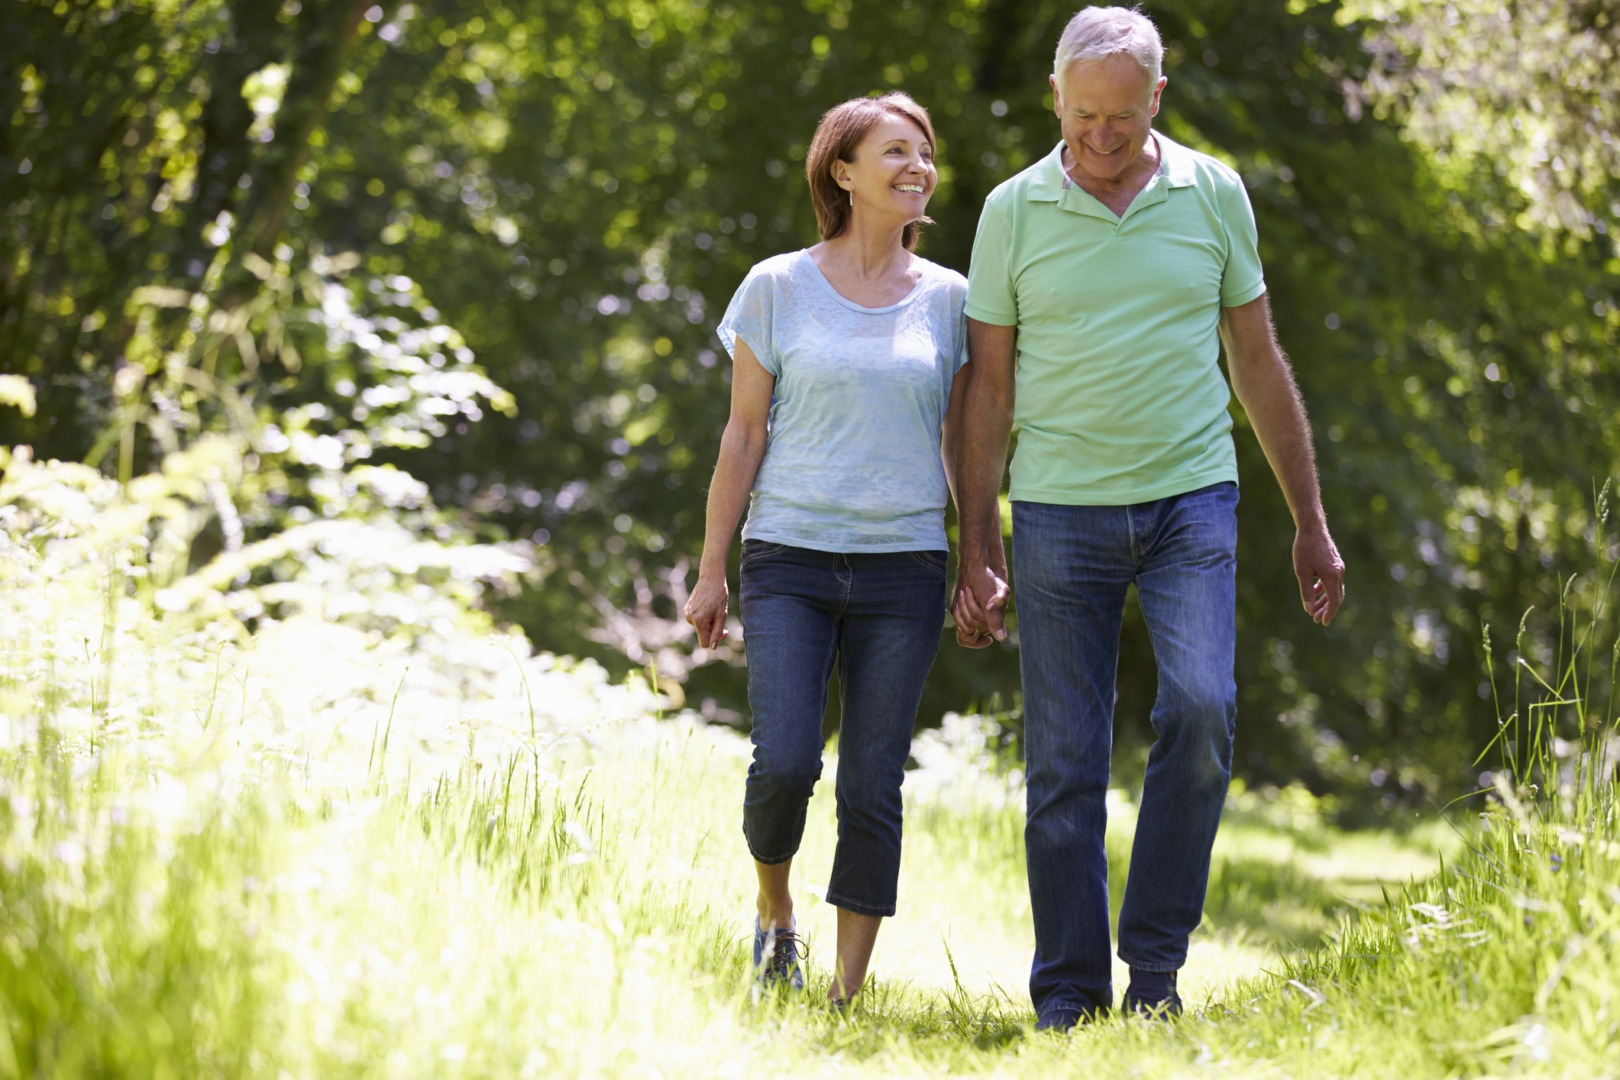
[754,550]
[932,560]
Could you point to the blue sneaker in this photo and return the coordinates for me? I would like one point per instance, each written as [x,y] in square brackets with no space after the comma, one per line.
[776,957]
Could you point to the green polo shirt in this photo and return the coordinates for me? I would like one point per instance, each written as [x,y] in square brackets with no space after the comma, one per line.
[1120,396]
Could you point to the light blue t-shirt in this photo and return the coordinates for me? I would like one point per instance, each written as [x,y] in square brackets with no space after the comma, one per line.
[852,453]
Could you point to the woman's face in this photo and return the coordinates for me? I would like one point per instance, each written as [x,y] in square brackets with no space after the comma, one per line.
[892,172]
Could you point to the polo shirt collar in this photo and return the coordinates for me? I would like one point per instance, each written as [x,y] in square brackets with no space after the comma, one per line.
[1176,165]
[1047,183]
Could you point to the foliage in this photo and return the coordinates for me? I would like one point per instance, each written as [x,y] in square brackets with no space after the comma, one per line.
[260,394]
[374,574]
[1524,91]
[557,199]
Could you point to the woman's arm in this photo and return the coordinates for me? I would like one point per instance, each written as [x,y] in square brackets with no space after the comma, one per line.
[742,447]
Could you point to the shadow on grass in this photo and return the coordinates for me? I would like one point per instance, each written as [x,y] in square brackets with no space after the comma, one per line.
[1280,905]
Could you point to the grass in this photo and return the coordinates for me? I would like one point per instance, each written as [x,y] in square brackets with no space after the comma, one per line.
[313,850]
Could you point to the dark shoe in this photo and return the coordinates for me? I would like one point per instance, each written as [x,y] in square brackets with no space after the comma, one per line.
[1152,994]
[1062,1018]
[776,958]
[1058,1020]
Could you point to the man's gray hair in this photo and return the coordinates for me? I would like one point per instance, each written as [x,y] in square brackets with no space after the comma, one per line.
[1096,33]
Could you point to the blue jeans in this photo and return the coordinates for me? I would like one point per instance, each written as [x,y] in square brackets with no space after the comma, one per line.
[878,616]
[1071,568]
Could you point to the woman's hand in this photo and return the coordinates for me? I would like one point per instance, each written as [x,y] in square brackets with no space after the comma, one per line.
[706,610]
[967,635]
[980,603]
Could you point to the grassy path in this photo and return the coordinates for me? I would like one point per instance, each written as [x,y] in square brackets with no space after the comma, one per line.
[219,901]
[1281,879]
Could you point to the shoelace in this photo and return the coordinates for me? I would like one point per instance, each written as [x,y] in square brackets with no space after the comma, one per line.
[786,951]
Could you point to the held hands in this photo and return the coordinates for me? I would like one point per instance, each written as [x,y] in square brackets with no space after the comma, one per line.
[706,611]
[981,599]
[1320,571]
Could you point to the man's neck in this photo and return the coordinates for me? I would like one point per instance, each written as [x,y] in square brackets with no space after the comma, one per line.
[1117,193]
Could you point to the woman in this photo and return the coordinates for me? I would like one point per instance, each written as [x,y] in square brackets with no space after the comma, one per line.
[845,397]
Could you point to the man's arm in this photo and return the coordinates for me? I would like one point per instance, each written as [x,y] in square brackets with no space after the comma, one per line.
[950,435]
[1265,386]
[981,591]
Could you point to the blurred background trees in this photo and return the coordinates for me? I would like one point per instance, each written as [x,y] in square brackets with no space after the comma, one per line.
[461,263]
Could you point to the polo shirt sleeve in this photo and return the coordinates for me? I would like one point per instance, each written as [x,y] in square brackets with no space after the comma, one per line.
[991,297]
[1241,278]
[750,316]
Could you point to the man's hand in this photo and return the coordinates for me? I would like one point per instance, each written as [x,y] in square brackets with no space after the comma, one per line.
[981,598]
[706,610]
[1320,571]
[987,416]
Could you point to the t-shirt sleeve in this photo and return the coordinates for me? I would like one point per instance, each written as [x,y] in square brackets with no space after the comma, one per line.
[1241,278]
[750,317]
[959,356]
[961,345]
[990,295]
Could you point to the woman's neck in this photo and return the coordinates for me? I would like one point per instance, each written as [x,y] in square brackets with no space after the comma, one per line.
[867,270]
[866,252]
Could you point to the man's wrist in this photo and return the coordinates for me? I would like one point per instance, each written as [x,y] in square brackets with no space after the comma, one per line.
[973,551]
[976,531]
[1312,524]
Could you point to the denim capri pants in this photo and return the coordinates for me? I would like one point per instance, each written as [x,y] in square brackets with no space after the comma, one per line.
[878,616]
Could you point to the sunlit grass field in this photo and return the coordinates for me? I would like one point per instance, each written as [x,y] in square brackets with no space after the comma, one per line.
[320,850]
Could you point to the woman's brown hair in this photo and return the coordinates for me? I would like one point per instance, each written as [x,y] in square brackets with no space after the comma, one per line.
[839,133]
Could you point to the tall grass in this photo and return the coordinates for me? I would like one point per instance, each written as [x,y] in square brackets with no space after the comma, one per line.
[312,849]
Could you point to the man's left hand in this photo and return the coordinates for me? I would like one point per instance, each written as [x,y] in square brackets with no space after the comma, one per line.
[1320,571]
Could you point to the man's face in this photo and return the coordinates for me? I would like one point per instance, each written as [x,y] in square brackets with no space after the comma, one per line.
[1106,108]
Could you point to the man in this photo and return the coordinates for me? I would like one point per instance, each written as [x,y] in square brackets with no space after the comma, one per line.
[1112,271]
